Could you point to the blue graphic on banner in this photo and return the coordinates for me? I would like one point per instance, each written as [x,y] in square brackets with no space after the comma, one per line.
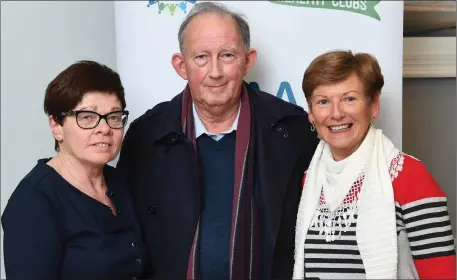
[284,87]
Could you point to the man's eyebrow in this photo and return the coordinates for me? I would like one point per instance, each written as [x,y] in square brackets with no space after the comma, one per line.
[195,52]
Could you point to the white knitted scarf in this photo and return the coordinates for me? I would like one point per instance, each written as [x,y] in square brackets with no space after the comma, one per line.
[376,223]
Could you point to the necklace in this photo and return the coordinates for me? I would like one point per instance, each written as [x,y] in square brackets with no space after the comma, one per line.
[93,193]
[104,200]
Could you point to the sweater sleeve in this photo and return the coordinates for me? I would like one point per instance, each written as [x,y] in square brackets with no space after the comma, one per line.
[421,210]
[32,244]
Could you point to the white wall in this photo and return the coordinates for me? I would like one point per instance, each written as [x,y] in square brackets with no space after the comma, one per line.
[38,40]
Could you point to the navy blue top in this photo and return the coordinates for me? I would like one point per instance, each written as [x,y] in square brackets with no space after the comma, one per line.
[217,166]
[54,231]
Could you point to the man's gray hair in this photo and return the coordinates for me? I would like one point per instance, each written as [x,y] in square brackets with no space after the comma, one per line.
[213,7]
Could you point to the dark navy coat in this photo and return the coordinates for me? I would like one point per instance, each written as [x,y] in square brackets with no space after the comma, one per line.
[161,168]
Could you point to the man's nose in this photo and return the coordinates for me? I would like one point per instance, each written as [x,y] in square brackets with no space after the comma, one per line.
[216,69]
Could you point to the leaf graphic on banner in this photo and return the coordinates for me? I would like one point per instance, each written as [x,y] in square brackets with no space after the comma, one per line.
[162,6]
[151,2]
[172,8]
[366,8]
[183,6]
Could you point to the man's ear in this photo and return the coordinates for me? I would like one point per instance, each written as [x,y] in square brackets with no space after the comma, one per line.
[177,60]
[251,57]
[56,128]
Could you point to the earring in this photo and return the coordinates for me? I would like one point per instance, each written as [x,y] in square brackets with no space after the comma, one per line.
[313,127]
[372,122]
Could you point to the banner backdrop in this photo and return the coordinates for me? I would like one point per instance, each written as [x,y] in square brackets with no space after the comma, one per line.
[288,35]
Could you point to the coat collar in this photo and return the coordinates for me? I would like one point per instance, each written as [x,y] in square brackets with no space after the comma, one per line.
[267,111]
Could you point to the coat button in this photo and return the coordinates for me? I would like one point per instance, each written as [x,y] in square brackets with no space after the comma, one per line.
[286,135]
[152,210]
[279,129]
[138,261]
[133,244]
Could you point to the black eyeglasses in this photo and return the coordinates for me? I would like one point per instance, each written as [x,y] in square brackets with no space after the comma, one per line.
[90,119]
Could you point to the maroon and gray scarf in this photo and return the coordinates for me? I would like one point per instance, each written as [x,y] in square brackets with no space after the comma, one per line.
[243,254]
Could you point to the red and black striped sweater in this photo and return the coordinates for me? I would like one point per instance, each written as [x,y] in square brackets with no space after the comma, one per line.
[421,211]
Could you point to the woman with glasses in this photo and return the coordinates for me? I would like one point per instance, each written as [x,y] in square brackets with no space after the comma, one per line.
[71,216]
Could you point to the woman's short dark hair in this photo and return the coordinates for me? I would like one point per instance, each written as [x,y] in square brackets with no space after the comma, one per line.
[69,87]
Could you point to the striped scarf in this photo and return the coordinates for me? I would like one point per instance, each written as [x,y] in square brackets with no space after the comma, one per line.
[243,254]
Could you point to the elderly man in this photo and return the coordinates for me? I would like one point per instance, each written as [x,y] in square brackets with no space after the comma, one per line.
[216,172]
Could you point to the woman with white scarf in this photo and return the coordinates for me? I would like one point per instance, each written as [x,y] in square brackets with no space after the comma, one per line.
[367,211]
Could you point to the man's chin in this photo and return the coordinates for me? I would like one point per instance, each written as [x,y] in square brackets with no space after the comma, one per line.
[217,102]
